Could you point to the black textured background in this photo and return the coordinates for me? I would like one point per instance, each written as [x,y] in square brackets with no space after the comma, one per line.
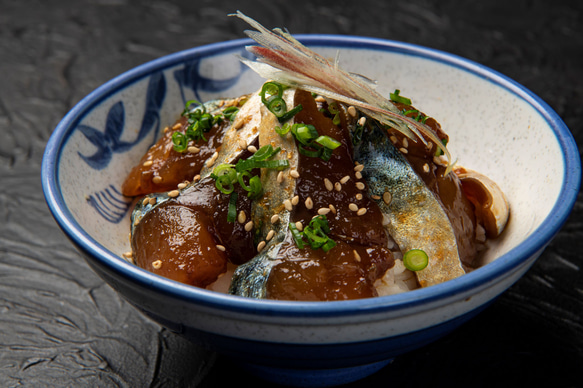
[61,326]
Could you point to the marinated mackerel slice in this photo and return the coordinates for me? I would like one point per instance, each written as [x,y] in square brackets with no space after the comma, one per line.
[416,217]
[447,187]
[187,238]
[162,168]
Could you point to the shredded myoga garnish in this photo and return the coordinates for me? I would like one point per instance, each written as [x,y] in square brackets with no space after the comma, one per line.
[314,187]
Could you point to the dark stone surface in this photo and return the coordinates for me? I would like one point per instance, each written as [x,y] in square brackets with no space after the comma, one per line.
[60,325]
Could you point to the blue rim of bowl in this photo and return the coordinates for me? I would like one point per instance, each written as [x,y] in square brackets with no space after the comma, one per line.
[481,277]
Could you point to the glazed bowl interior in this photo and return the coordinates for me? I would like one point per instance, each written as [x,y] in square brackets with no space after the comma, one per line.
[495,126]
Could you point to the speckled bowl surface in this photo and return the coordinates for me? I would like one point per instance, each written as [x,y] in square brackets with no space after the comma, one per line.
[495,126]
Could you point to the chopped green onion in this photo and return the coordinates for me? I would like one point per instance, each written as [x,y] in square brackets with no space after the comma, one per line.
[406,112]
[297,235]
[255,187]
[310,153]
[328,142]
[277,106]
[230,113]
[272,96]
[232,212]
[180,141]
[193,102]
[272,89]
[333,108]
[439,151]
[314,233]
[291,113]
[305,133]
[415,260]
[397,98]
[283,130]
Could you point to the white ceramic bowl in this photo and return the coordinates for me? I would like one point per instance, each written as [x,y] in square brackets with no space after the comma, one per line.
[496,127]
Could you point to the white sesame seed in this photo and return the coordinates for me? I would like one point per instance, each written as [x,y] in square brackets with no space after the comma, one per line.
[221,247]
[353,207]
[152,201]
[362,121]
[193,150]
[294,174]
[249,226]
[352,111]
[295,200]
[280,177]
[359,167]
[148,163]
[387,197]
[404,150]
[260,246]
[320,99]
[360,185]
[405,142]
[157,264]
[323,211]
[376,197]
[328,183]
[176,126]
[270,235]
[358,196]
[252,149]
[356,256]
[196,178]
[242,143]
[242,217]
[173,193]
[332,208]
[361,211]
[157,179]
[426,167]
[145,201]
[181,185]
[345,179]
[274,218]
[337,186]
[299,226]
[358,175]
[288,205]
[393,139]
[309,203]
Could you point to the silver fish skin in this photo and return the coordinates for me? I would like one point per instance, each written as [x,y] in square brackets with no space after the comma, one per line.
[242,132]
[416,218]
[250,278]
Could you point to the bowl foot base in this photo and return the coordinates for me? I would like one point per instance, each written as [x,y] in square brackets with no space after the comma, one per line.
[313,377]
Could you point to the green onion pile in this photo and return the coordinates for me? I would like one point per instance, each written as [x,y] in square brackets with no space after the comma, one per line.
[315,234]
[199,121]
